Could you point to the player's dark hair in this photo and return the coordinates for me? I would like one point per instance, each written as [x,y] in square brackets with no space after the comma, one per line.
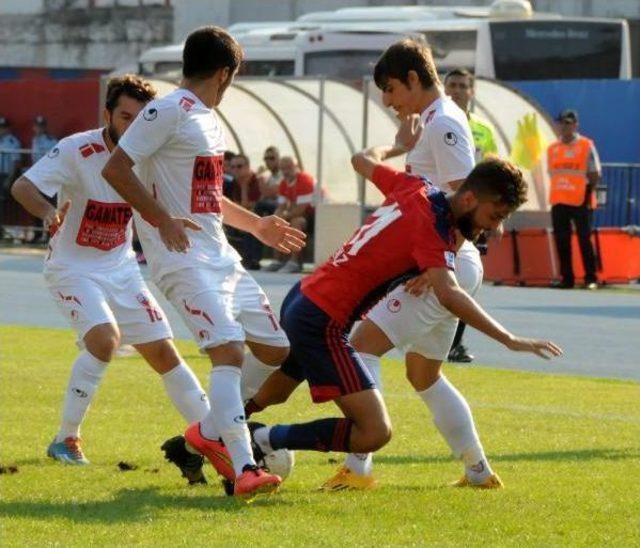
[465,73]
[207,50]
[130,85]
[498,181]
[403,56]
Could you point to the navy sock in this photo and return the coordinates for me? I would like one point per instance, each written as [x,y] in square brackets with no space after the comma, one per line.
[320,435]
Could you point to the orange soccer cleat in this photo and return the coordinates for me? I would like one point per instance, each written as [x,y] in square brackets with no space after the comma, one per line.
[214,450]
[255,481]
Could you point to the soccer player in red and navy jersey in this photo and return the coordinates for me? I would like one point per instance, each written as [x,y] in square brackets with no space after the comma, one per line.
[412,232]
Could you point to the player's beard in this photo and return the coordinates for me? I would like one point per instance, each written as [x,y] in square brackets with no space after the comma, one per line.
[465,225]
[113,134]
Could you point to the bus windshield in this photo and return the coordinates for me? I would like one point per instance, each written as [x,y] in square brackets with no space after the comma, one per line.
[546,50]
[347,64]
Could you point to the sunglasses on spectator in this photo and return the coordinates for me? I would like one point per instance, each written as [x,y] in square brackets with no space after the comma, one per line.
[237,166]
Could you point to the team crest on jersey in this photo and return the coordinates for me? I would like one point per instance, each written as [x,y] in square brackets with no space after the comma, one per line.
[53,153]
[450,259]
[394,305]
[450,138]
[150,115]
[203,335]
[90,148]
[186,103]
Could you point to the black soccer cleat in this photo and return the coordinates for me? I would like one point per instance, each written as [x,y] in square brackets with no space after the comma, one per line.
[258,453]
[190,464]
[459,354]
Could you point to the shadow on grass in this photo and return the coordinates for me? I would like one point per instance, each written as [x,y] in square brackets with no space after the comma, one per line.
[571,455]
[129,505]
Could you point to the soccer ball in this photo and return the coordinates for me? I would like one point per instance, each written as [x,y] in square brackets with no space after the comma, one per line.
[279,462]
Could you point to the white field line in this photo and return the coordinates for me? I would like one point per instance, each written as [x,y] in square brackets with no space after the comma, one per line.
[536,409]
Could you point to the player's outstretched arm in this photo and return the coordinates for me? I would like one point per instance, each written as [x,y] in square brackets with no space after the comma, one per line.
[118,172]
[29,197]
[272,230]
[458,302]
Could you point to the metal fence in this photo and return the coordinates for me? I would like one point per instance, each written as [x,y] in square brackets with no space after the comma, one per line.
[622,207]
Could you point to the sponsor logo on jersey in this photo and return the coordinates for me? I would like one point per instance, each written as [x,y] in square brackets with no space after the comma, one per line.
[394,305]
[104,225]
[450,259]
[203,335]
[186,103]
[90,148]
[206,184]
[150,114]
[53,153]
[450,138]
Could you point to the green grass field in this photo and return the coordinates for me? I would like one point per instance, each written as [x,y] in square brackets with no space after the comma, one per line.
[568,450]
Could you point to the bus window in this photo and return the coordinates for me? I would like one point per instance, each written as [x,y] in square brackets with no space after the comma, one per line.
[546,50]
[267,68]
[459,42]
[340,63]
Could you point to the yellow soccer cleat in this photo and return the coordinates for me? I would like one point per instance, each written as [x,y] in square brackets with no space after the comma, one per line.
[345,480]
[492,482]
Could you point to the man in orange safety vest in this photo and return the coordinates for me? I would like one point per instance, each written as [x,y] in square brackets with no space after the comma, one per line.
[574,171]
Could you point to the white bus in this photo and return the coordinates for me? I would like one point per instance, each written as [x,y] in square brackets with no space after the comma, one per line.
[506,41]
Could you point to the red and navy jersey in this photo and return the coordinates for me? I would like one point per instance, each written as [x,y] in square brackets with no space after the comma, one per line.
[411,231]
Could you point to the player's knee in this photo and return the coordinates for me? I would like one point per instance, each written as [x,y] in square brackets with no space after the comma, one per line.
[231,353]
[271,355]
[375,437]
[102,341]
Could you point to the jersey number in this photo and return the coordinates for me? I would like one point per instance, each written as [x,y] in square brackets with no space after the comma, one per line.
[377,222]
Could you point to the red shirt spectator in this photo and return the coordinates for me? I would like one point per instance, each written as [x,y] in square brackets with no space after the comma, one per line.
[298,192]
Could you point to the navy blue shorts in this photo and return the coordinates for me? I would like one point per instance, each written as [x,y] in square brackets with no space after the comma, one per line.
[320,350]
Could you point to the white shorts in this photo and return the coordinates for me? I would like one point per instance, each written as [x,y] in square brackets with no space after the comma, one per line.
[223,305]
[421,324]
[120,298]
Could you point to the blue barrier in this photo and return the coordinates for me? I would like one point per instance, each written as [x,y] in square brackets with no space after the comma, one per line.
[623,196]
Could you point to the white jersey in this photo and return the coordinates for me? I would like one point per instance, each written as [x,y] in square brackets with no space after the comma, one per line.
[179,145]
[96,233]
[445,151]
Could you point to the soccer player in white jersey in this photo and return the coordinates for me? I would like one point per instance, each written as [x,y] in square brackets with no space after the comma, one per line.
[440,147]
[91,271]
[179,144]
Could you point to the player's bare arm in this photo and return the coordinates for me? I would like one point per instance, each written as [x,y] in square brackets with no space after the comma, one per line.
[459,303]
[272,230]
[29,197]
[118,172]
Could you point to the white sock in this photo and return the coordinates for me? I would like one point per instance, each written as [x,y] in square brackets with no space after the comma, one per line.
[86,374]
[184,390]
[452,417]
[362,463]
[226,417]
[261,437]
[254,373]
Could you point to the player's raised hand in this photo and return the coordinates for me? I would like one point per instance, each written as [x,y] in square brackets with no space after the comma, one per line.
[174,235]
[279,234]
[418,286]
[409,132]
[53,221]
[544,349]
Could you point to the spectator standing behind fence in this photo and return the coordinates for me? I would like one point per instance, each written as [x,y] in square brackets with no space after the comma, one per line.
[42,141]
[459,85]
[295,204]
[574,171]
[9,164]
